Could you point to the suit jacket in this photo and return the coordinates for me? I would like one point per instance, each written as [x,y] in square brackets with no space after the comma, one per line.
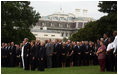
[75,48]
[106,42]
[37,49]
[13,50]
[6,52]
[59,48]
[41,52]
[49,49]
[68,47]
[82,49]
[27,50]
[55,47]
[18,52]
[33,51]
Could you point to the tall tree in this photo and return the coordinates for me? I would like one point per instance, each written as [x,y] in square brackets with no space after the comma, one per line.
[108,6]
[17,17]
[106,24]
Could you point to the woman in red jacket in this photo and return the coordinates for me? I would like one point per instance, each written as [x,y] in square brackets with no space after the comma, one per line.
[101,56]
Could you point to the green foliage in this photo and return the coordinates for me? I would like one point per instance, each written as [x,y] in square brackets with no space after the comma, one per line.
[94,30]
[17,17]
[107,6]
[65,39]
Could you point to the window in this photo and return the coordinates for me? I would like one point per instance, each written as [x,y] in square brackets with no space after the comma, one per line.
[62,34]
[52,35]
[41,28]
[66,34]
[45,35]
[80,24]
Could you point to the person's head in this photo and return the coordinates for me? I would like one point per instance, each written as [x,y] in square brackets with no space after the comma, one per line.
[56,41]
[25,40]
[46,41]
[23,43]
[68,41]
[83,42]
[64,44]
[74,43]
[8,44]
[49,40]
[101,39]
[18,46]
[98,41]
[114,33]
[5,44]
[90,43]
[110,39]
[78,43]
[42,43]
[95,44]
[101,43]
[86,42]
[12,43]
[32,43]
[105,36]
[37,41]
[60,40]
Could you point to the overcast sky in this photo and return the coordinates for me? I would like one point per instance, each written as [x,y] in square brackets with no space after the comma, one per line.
[49,7]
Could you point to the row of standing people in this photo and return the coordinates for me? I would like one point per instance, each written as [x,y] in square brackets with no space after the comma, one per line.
[56,53]
[36,54]
[107,53]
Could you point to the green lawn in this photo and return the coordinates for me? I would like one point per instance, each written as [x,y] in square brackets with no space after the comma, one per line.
[67,70]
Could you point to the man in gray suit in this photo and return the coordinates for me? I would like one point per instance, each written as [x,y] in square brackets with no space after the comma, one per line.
[49,52]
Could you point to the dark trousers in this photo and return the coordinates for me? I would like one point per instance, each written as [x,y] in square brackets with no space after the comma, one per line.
[79,60]
[5,62]
[115,63]
[67,61]
[75,59]
[41,65]
[109,62]
[26,62]
[33,64]
[54,61]
[102,64]
[86,62]
[12,61]
[49,61]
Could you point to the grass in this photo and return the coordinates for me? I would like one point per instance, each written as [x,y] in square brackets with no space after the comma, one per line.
[67,70]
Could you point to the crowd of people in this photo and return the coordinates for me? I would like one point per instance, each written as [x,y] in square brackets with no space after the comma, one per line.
[40,55]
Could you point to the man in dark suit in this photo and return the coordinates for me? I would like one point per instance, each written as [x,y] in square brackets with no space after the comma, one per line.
[33,54]
[9,56]
[6,53]
[68,50]
[18,56]
[37,45]
[55,58]
[2,54]
[12,54]
[106,44]
[110,56]
[86,53]
[75,49]
[41,56]
[79,44]
[83,49]
[26,54]
[105,40]
[49,52]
